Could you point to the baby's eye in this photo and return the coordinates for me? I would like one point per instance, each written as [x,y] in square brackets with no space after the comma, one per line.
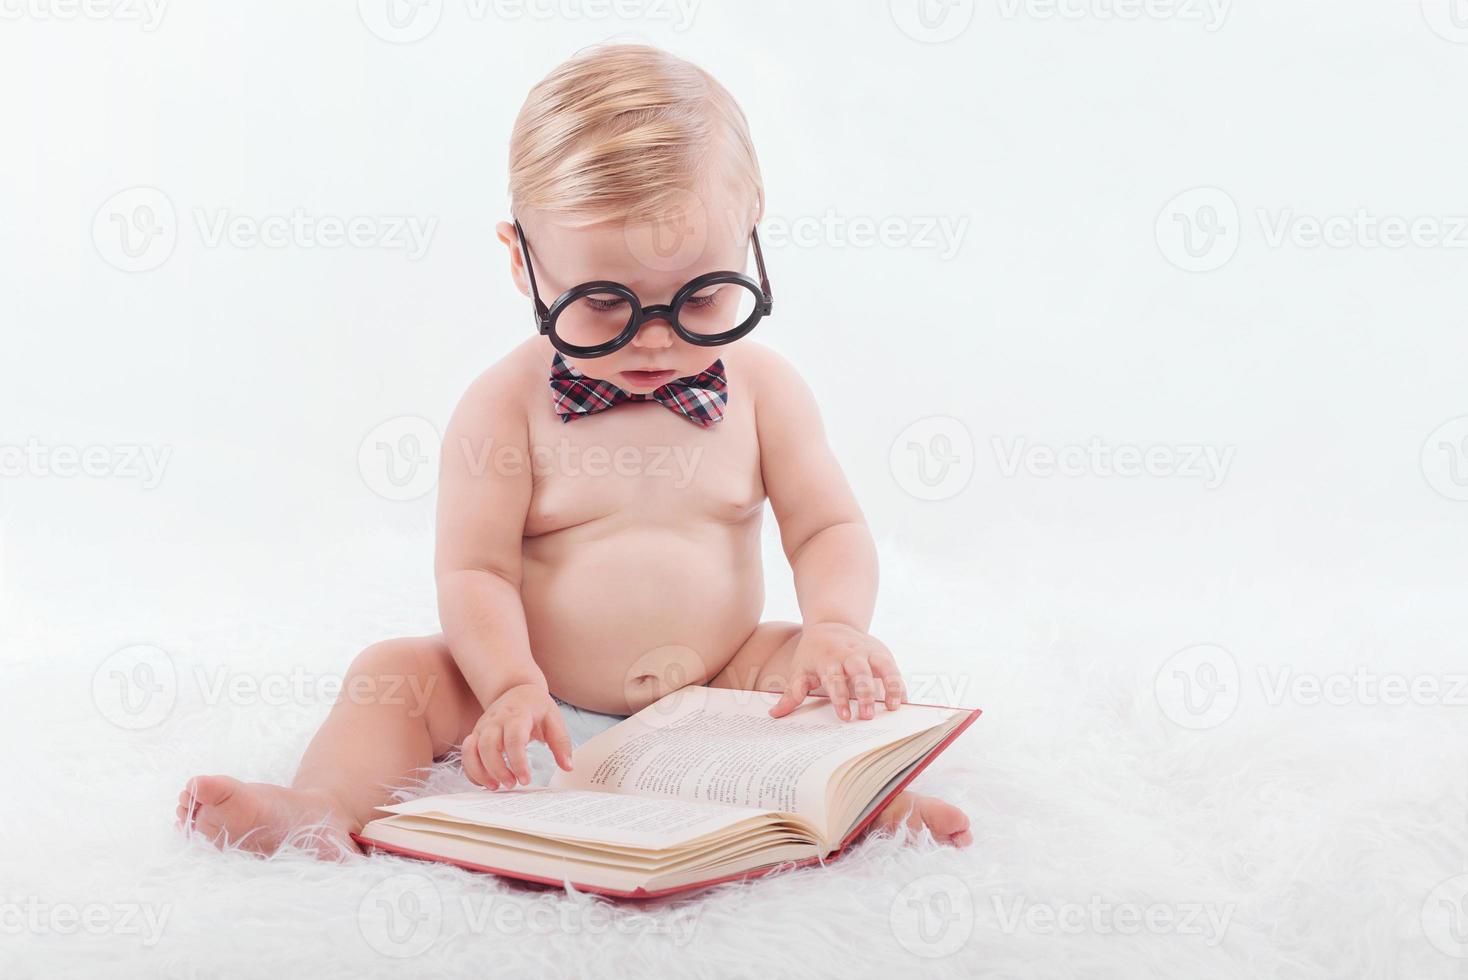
[703,301]
[605,305]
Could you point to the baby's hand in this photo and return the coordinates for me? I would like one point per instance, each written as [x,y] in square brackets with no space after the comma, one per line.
[504,731]
[845,662]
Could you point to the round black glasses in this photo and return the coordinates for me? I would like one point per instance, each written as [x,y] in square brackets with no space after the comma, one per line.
[597,318]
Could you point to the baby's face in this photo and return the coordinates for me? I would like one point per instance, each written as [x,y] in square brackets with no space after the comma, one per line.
[654,258]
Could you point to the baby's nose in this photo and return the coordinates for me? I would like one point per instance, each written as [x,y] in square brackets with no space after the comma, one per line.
[655,332]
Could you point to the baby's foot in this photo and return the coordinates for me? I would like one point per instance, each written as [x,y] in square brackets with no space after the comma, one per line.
[262,817]
[946,822]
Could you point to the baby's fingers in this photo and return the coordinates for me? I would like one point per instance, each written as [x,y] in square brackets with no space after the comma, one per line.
[491,751]
[553,733]
[893,688]
[835,683]
[473,768]
[800,685]
[517,738]
[863,687]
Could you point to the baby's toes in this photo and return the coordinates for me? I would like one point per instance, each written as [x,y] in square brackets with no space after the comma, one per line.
[946,822]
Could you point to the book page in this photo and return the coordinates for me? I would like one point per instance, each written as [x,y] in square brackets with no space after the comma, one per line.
[716,746]
[575,815]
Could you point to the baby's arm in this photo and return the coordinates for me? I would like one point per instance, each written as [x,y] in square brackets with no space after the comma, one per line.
[483,496]
[830,549]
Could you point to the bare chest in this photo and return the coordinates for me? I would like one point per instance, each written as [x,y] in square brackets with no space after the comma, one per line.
[641,464]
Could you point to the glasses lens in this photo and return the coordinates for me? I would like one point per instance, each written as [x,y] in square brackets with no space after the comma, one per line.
[593,319]
[717,309]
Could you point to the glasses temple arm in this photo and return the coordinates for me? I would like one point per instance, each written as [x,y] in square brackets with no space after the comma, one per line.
[541,312]
[759,261]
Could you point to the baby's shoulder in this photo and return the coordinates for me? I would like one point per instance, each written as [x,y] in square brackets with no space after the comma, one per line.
[762,372]
[503,392]
[759,367]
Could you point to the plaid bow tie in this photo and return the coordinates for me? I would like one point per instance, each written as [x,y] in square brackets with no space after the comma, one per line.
[699,398]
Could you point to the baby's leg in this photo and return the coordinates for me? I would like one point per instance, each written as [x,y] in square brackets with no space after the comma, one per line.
[403,704]
[763,664]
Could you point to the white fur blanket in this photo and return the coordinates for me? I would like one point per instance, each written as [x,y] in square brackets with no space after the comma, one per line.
[1288,839]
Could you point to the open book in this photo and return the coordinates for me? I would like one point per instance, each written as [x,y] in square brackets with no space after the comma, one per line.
[700,787]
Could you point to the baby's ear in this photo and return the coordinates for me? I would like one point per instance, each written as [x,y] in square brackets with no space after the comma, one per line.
[505,231]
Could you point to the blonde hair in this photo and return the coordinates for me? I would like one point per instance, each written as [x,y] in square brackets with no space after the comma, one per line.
[623,130]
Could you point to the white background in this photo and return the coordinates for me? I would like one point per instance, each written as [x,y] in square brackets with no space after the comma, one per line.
[1067,310]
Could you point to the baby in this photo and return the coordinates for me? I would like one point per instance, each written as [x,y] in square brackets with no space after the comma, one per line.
[602,487]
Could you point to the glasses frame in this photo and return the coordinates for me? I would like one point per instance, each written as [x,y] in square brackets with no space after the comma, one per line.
[545,316]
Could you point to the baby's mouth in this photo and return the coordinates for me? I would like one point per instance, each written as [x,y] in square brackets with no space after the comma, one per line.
[649,379]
